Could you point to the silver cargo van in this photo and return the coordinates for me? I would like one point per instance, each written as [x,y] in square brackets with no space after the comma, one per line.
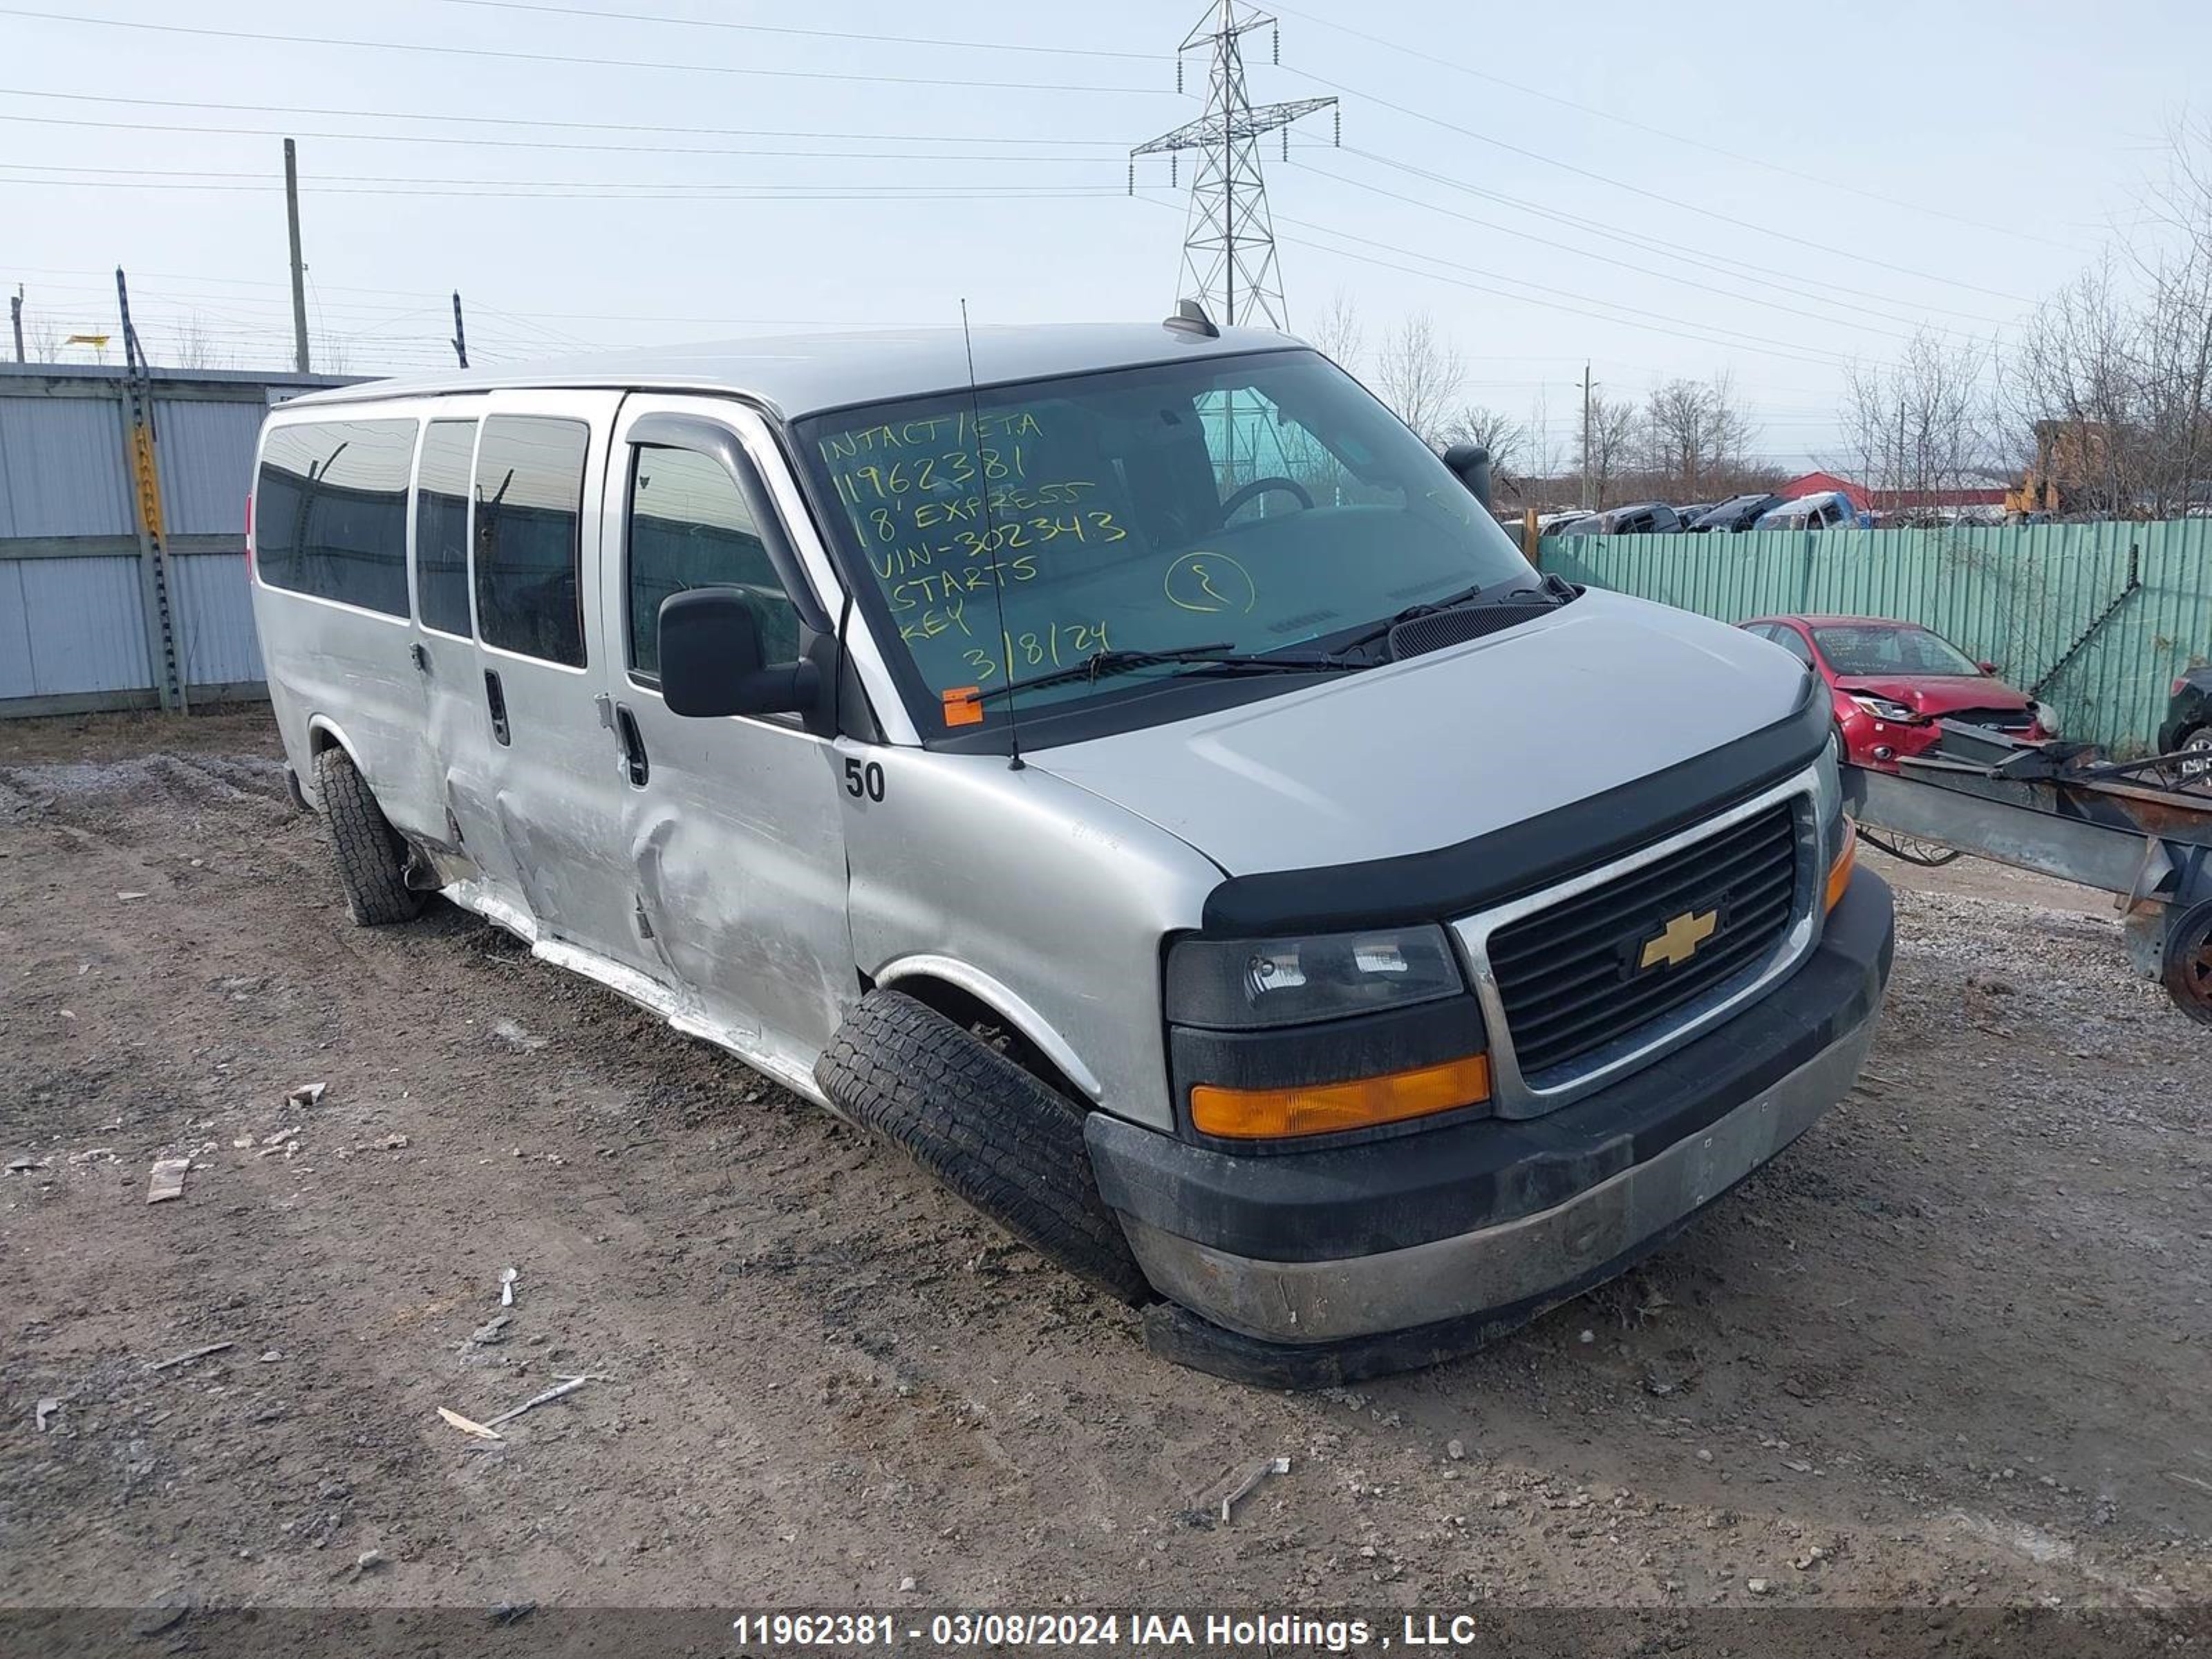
[1125,768]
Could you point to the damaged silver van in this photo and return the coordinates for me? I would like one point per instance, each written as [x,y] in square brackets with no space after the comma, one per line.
[1121,766]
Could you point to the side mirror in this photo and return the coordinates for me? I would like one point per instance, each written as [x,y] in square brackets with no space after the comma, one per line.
[1989,668]
[1472,463]
[712,662]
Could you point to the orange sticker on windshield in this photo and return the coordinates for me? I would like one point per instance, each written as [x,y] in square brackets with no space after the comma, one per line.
[963,705]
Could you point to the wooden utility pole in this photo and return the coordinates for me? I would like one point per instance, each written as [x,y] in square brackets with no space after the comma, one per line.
[460,334]
[15,317]
[298,271]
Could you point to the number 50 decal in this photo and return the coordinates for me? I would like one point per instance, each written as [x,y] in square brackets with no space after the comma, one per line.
[863,780]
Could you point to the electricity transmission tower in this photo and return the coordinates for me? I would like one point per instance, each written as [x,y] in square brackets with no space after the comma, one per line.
[1229,241]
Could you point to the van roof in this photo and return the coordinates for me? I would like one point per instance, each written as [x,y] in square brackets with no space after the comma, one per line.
[796,374]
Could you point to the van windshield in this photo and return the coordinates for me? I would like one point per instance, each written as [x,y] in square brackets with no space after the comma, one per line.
[1253,504]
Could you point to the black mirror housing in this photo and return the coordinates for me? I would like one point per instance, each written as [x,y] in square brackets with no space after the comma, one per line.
[712,659]
[1471,462]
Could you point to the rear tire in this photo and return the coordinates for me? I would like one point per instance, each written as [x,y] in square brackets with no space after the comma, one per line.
[1006,1143]
[372,859]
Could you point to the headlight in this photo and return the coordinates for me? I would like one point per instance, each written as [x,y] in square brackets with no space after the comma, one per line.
[1883,708]
[2045,716]
[1245,985]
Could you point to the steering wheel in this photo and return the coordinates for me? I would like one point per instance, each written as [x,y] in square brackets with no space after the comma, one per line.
[1260,486]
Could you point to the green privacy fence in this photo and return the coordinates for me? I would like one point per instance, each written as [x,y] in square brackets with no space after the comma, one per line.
[2101,616]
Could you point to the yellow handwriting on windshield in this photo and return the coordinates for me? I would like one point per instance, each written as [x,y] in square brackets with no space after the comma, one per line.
[1212,584]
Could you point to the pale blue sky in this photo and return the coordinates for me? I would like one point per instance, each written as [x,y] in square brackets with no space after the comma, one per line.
[2035,117]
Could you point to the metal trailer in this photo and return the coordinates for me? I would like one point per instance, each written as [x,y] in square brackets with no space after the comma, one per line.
[2141,829]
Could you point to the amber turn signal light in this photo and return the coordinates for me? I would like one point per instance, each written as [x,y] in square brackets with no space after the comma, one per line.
[1320,1108]
[1846,861]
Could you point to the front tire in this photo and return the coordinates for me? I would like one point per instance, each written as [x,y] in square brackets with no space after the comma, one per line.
[371,858]
[1010,1146]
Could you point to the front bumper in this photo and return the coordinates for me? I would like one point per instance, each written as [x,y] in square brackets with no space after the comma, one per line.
[1315,1266]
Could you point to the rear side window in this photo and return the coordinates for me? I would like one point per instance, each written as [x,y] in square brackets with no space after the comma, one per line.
[330,512]
[1794,642]
[690,527]
[441,526]
[529,502]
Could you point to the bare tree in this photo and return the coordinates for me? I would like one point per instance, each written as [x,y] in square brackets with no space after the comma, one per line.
[1418,372]
[1505,438]
[1339,336]
[1607,447]
[1696,438]
[1544,452]
[195,346]
[1923,423]
[2111,384]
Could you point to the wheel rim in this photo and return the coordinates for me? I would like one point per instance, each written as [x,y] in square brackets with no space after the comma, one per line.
[2189,963]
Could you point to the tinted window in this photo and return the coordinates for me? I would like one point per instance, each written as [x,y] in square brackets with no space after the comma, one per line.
[441,526]
[329,511]
[530,495]
[1794,642]
[690,527]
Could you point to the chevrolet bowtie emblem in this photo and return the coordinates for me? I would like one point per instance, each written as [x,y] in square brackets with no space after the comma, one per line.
[1677,942]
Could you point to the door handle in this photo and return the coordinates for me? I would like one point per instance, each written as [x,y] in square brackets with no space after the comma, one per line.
[495,699]
[633,746]
[421,653]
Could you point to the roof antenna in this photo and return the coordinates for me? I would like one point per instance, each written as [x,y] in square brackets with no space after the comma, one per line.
[991,533]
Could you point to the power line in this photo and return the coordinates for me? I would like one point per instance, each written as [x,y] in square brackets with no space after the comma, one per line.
[1653,195]
[268,37]
[1787,348]
[442,180]
[1603,258]
[1115,144]
[1788,282]
[817,34]
[1430,58]
[527,144]
[859,193]
[1684,334]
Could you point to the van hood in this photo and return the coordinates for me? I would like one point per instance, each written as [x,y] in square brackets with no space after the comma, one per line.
[1422,754]
[1937,695]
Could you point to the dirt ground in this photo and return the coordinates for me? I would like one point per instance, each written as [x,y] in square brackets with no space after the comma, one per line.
[1952,1348]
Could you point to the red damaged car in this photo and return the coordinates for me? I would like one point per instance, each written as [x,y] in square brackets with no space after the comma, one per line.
[1892,681]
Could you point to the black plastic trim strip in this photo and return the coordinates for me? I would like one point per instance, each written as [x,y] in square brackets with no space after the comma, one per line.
[1452,881]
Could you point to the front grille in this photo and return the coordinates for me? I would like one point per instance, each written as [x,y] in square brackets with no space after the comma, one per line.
[2001,719]
[1571,977]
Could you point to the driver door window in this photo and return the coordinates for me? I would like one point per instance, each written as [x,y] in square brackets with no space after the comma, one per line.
[690,527]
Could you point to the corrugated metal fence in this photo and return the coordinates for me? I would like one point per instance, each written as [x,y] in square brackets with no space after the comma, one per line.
[2099,617]
[77,613]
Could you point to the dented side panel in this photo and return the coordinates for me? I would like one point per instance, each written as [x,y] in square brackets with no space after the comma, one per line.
[1037,885]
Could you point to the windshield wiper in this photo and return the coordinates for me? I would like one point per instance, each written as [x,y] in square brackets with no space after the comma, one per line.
[1224,655]
[1510,588]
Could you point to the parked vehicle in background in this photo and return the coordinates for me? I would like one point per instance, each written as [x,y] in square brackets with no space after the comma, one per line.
[1890,681]
[966,742]
[1823,510]
[2188,719]
[1690,513]
[1551,524]
[1738,513]
[1637,518]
